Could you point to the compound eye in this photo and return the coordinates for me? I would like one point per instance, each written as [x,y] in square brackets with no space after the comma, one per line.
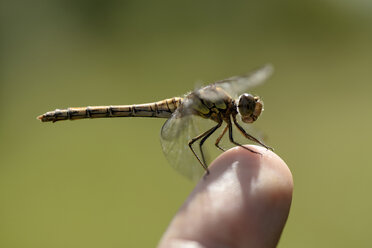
[246,104]
[249,108]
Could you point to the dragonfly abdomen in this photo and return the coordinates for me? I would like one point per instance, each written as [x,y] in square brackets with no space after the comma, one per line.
[160,109]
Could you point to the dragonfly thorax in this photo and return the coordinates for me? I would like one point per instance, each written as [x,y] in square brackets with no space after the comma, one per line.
[249,107]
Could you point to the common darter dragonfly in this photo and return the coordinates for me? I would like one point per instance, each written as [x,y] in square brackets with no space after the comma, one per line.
[220,102]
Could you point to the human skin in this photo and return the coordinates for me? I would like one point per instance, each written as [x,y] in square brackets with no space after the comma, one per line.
[243,202]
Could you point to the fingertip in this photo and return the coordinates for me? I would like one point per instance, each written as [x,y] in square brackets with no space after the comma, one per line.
[244,201]
[252,166]
[262,162]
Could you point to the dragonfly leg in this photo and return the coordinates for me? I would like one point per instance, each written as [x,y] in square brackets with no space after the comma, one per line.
[219,139]
[193,140]
[233,141]
[248,136]
[211,131]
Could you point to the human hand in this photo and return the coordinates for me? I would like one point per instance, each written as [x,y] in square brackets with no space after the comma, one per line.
[243,202]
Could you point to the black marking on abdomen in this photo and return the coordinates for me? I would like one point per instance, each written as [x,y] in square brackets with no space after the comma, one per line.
[134,110]
[152,111]
[156,109]
[130,111]
[174,102]
[88,112]
[55,115]
[109,111]
[166,102]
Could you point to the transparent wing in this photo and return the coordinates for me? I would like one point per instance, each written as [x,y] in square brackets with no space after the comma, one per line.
[175,135]
[238,85]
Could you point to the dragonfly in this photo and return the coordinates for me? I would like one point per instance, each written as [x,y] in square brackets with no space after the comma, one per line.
[222,102]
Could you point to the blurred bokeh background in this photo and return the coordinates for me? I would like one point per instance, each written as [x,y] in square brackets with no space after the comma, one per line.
[106,183]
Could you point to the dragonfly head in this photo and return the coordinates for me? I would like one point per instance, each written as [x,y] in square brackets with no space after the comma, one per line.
[249,107]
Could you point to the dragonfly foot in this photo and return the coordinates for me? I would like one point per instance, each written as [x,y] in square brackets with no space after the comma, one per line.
[252,151]
[269,148]
[222,149]
[206,174]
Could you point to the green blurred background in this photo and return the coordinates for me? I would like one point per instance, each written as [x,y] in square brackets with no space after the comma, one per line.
[106,183]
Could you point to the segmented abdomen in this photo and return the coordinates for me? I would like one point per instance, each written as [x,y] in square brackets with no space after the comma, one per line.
[160,109]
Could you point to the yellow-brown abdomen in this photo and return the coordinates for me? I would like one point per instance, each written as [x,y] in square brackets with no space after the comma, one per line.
[160,109]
